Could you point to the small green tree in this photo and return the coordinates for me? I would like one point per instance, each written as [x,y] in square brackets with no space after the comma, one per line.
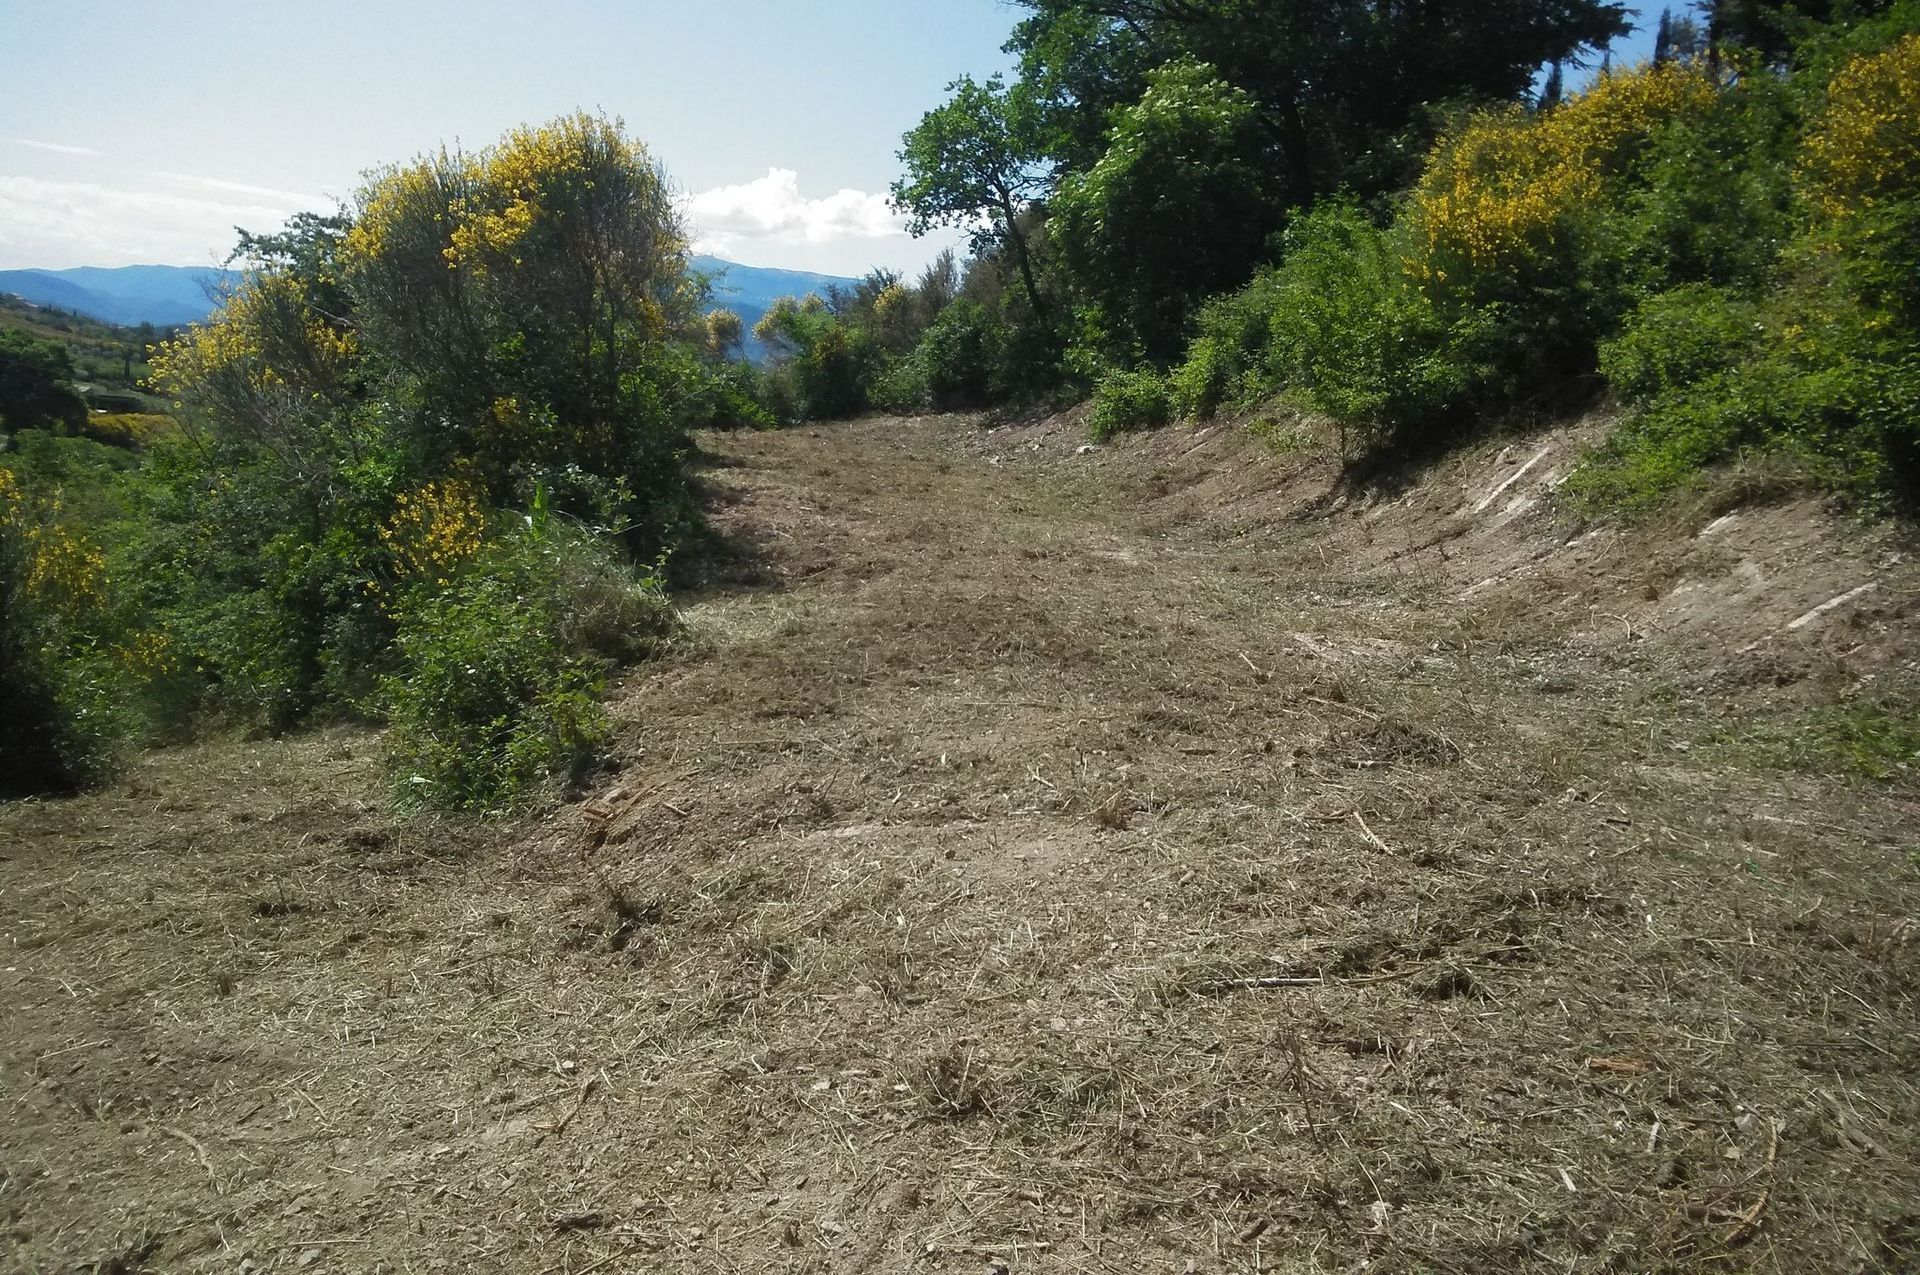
[976,157]
[36,384]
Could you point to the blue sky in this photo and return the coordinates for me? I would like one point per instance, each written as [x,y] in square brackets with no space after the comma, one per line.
[137,132]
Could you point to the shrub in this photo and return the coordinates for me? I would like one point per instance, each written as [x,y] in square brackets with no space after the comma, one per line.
[900,386]
[1128,400]
[63,679]
[1356,338]
[1860,165]
[125,429]
[1499,199]
[1229,361]
[1676,339]
[958,355]
[489,707]
[1805,377]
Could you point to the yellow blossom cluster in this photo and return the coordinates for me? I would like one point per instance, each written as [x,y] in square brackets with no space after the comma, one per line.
[435,529]
[1498,193]
[395,197]
[481,210]
[1866,147]
[266,334]
[64,568]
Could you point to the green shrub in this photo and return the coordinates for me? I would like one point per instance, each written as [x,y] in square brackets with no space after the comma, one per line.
[958,355]
[1804,375]
[65,678]
[488,708]
[1129,400]
[1679,338]
[899,386]
[1228,362]
[1355,338]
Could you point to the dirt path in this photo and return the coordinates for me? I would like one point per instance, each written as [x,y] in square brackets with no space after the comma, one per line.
[1014,874]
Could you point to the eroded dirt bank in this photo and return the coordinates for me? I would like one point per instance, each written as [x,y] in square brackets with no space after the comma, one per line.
[1139,860]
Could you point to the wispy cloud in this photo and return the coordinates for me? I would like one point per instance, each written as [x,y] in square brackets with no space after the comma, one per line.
[58,223]
[303,198]
[772,210]
[58,148]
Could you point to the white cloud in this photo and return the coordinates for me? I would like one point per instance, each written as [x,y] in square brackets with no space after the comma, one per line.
[54,224]
[300,198]
[57,148]
[772,210]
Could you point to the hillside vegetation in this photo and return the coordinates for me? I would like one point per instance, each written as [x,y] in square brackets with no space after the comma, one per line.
[429,458]
[492,782]
[1195,208]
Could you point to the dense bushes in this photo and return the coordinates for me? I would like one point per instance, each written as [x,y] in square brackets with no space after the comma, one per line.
[66,669]
[1128,400]
[501,664]
[1820,358]
[418,451]
[1735,256]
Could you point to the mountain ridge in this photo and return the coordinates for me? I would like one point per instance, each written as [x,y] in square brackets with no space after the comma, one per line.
[167,296]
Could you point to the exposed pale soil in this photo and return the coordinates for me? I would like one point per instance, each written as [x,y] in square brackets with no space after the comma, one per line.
[1161,858]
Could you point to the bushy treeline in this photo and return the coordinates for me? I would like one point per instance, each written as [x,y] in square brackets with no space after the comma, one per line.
[1371,214]
[429,457]
[948,341]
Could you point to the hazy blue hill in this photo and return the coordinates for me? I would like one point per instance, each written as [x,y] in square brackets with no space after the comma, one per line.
[44,287]
[183,286]
[130,295]
[166,295]
[749,291]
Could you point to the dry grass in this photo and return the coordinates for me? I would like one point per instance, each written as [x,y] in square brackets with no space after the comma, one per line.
[1013,876]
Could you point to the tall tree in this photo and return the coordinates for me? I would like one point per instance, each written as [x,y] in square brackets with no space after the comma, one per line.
[1313,67]
[1554,89]
[1663,39]
[1177,209]
[976,161]
[1769,27]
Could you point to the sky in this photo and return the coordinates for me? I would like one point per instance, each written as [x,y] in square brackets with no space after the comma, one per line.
[135,133]
[143,133]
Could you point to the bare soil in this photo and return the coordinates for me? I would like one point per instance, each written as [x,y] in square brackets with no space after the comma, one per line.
[1162,858]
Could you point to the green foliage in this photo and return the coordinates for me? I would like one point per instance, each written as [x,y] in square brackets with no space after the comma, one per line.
[1128,401]
[1227,363]
[64,669]
[489,705]
[36,384]
[959,356]
[323,534]
[1337,83]
[975,161]
[826,363]
[1817,359]
[1353,335]
[1677,339]
[1190,153]
[1715,377]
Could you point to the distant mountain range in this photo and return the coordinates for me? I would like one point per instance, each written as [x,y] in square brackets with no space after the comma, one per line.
[128,295]
[169,295]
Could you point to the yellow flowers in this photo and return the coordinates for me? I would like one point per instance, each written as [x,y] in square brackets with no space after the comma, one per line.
[434,530]
[485,214]
[1498,193]
[64,569]
[1867,145]
[267,340]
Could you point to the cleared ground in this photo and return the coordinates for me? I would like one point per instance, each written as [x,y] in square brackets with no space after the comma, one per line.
[1151,860]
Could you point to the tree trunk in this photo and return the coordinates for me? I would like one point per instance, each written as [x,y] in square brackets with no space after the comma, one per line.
[1019,243]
